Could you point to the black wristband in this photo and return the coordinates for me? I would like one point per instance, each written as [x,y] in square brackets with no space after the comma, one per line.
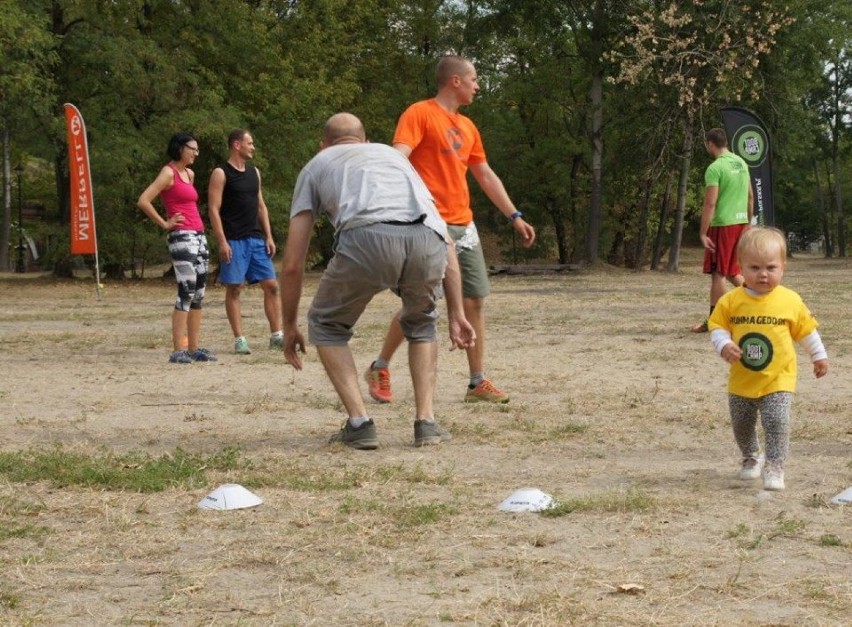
[515,216]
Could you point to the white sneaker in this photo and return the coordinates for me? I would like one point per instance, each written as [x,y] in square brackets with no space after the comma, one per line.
[751,467]
[773,479]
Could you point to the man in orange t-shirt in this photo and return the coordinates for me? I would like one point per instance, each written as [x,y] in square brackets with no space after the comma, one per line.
[442,144]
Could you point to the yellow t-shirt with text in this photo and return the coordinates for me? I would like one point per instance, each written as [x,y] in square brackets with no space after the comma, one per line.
[765,328]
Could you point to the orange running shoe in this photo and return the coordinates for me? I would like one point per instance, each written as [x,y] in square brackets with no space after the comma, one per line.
[378,380]
[485,392]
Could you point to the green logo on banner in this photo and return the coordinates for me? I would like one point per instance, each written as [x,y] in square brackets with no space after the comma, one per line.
[757,351]
[750,143]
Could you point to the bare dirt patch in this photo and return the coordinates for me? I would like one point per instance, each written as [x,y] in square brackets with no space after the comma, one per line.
[616,409]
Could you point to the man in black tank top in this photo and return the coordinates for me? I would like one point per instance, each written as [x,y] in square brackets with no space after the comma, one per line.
[240,222]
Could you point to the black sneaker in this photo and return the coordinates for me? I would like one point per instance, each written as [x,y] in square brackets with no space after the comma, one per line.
[427,433]
[363,438]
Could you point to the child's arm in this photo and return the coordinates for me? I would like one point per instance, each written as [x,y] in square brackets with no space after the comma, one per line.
[725,346]
[813,344]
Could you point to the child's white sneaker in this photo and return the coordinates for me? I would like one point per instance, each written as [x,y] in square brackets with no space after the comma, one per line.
[773,478]
[751,467]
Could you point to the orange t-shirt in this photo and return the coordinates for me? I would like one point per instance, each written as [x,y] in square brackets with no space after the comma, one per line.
[442,144]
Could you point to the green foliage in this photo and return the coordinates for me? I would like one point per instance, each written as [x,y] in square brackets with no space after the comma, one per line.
[633,500]
[404,515]
[12,511]
[534,122]
[27,57]
[830,539]
[9,601]
[142,70]
[136,472]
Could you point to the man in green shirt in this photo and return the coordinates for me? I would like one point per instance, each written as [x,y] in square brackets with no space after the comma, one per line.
[727,212]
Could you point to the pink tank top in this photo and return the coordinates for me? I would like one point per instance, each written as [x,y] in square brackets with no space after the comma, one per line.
[182,197]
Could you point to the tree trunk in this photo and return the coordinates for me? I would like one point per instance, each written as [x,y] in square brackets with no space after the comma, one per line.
[828,219]
[595,223]
[558,218]
[820,198]
[572,204]
[838,207]
[686,160]
[661,228]
[5,236]
[837,125]
[65,263]
[642,231]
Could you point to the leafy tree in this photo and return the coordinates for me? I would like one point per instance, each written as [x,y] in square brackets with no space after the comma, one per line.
[591,145]
[834,104]
[26,84]
[703,54]
[532,120]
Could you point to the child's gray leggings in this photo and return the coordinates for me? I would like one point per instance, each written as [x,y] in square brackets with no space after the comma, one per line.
[774,416]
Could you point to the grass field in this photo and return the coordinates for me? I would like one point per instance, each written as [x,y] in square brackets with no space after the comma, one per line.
[617,411]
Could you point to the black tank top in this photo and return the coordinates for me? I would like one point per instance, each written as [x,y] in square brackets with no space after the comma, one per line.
[239,203]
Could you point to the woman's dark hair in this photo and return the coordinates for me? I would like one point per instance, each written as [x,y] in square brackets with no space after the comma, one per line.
[176,143]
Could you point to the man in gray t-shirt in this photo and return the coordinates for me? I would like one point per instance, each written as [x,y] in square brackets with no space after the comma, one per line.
[388,235]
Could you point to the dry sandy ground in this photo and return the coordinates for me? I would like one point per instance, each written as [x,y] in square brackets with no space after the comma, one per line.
[616,408]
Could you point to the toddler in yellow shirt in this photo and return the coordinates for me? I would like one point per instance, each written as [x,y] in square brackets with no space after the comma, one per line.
[753,328]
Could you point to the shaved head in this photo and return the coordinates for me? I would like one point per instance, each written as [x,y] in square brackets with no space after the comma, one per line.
[343,128]
[449,66]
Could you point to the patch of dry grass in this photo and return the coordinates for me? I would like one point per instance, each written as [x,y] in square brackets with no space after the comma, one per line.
[617,410]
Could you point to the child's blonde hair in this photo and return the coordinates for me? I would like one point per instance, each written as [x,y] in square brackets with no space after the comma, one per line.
[762,241]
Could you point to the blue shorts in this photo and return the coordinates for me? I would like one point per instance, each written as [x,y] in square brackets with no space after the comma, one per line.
[249,263]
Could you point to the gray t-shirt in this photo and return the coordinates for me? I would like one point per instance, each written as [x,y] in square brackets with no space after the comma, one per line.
[362,184]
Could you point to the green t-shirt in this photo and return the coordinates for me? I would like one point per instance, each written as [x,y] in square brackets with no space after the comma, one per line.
[730,174]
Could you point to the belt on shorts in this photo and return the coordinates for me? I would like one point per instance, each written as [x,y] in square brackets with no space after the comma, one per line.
[419,220]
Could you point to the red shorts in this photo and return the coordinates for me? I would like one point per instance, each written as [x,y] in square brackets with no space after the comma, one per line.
[724,261]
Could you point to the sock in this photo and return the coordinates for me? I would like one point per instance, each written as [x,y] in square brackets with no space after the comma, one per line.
[237,339]
[357,421]
[431,420]
[278,334]
[380,363]
[476,378]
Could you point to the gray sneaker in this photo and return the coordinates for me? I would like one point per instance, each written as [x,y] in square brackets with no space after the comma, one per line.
[363,438]
[276,342]
[241,346]
[427,433]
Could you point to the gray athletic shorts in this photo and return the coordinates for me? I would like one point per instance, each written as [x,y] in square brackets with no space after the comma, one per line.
[474,274]
[408,259]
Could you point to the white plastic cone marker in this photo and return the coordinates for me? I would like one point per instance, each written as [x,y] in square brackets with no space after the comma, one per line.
[230,496]
[527,500]
[844,498]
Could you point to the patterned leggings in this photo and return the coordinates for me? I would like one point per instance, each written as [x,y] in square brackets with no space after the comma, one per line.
[190,256]
[774,416]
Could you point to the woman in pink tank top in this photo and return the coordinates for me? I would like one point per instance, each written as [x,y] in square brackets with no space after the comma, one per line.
[187,244]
